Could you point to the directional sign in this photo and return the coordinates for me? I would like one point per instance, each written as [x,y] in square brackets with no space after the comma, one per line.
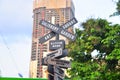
[58,53]
[52,34]
[58,30]
[57,77]
[60,63]
[47,37]
[69,23]
[59,71]
[56,44]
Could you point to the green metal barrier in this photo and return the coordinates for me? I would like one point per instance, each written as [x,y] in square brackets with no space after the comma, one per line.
[1,78]
[22,79]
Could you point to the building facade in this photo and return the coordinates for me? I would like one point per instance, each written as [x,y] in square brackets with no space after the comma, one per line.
[55,12]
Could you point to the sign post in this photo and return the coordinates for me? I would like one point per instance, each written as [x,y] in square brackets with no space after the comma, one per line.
[58,48]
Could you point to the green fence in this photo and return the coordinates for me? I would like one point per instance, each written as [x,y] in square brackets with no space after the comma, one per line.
[24,79]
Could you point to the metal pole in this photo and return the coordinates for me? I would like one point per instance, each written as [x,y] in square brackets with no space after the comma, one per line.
[50,72]
[57,35]
[51,75]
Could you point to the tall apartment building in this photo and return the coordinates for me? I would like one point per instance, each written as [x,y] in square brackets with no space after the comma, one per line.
[53,11]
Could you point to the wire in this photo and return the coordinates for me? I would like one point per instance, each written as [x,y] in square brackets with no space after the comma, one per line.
[10,53]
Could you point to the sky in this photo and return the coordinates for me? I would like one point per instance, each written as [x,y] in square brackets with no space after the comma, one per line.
[16,30]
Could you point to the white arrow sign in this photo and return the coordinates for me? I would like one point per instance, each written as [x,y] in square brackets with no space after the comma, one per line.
[58,77]
[58,53]
[59,71]
[57,62]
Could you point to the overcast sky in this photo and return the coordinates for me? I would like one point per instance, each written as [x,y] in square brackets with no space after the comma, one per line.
[16,30]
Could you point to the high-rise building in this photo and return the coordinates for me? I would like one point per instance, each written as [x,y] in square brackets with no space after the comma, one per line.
[55,12]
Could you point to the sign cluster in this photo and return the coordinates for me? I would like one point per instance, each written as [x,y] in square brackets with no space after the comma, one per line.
[52,60]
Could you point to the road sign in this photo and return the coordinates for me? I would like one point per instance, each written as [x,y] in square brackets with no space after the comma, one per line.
[67,34]
[50,35]
[60,63]
[59,71]
[70,23]
[57,77]
[56,44]
[58,53]
[47,37]
[58,30]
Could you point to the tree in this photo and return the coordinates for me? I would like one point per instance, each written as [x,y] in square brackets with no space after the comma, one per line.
[117,8]
[100,35]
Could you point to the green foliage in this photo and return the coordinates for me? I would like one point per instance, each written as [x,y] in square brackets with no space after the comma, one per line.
[117,8]
[100,35]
